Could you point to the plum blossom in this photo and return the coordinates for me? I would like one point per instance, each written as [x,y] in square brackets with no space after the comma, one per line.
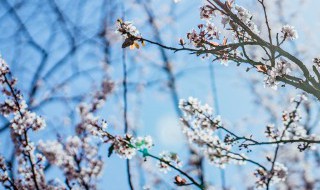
[204,37]
[277,175]
[289,32]
[246,17]
[316,61]
[281,68]
[142,143]
[167,158]
[206,12]
[200,128]
[72,153]
[126,29]
[3,170]
[243,14]
[26,121]
[126,147]
[4,69]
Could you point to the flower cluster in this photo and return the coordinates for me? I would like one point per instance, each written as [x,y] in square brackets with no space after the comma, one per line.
[9,106]
[78,156]
[200,128]
[89,122]
[78,159]
[246,17]
[206,12]
[127,29]
[202,113]
[281,68]
[3,170]
[167,158]
[209,36]
[292,129]
[22,123]
[4,69]
[30,165]
[130,33]
[203,38]
[27,180]
[316,61]
[13,102]
[278,174]
[289,32]
[126,147]
[32,175]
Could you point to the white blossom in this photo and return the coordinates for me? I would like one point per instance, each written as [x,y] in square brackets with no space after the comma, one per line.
[4,69]
[28,119]
[281,68]
[124,148]
[246,17]
[127,28]
[289,32]
[165,158]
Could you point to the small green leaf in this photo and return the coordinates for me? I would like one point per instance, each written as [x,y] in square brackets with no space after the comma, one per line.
[145,152]
[110,150]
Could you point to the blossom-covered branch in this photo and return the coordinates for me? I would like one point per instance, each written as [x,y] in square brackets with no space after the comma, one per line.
[240,34]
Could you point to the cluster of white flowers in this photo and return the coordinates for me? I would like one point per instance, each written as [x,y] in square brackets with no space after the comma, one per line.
[200,128]
[281,68]
[130,34]
[77,157]
[3,170]
[209,36]
[203,38]
[206,12]
[4,69]
[294,132]
[30,165]
[291,128]
[31,173]
[316,61]
[218,154]
[193,108]
[246,17]
[54,152]
[289,32]
[168,158]
[126,147]
[200,116]
[127,29]
[21,123]
[9,106]
[271,132]
[89,122]
[142,143]
[277,175]
[14,104]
